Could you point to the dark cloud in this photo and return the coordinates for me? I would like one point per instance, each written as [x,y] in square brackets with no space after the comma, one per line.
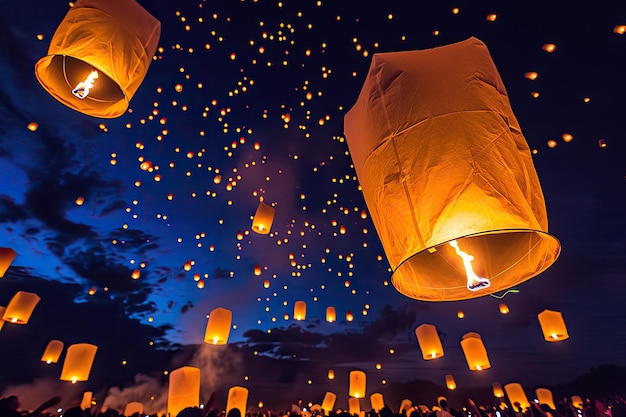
[11,212]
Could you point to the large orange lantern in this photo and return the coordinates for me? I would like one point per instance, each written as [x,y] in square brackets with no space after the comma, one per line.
[237,398]
[475,352]
[447,175]
[357,384]
[497,390]
[7,255]
[377,401]
[328,404]
[331,314]
[544,396]
[263,219]
[299,310]
[553,326]
[516,394]
[78,361]
[20,307]
[429,341]
[218,326]
[52,352]
[450,382]
[354,406]
[132,408]
[99,55]
[577,402]
[184,389]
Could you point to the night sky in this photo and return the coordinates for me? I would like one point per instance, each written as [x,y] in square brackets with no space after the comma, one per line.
[255,92]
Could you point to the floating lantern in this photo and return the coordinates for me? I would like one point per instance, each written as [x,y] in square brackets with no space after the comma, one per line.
[377,402]
[516,394]
[405,406]
[299,310]
[266,283]
[504,309]
[544,396]
[2,308]
[328,404]
[549,47]
[99,55]
[349,316]
[218,326]
[531,75]
[497,390]
[577,402]
[553,326]
[354,406]
[33,126]
[619,29]
[7,255]
[85,403]
[331,314]
[263,219]
[450,382]
[331,374]
[52,352]
[447,175]
[257,270]
[460,314]
[132,408]
[237,398]
[78,361]
[20,307]
[136,274]
[475,352]
[184,389]
[429,341]
[357,384]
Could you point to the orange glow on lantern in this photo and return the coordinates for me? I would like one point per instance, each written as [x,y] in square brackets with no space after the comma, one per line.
[299,310]
[429,341]
[328,404]
[516,394]
[263,219]
[7,255]
[504,309]
[498,392]
[78,361]
[450,382]
[237,398]
[349,316]
[475,352]
[552,326]
[377,402]
[52,352]
[577,402]
[184,389]
[85,403]
[544,396]
[357,384]
[331,374]
[136,274]
[21,307]
[218,326]
[257,270]
[331,314]
[354,406]
[132,408]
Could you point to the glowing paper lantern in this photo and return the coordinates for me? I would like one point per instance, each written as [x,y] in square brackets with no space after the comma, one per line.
[20,307]
[354,406]
[132,408]
[52,352]
[497,390]
[184,389]
[2,308]
[475,352]
[553,326]
[237,398]
[429,341]
[218,326]
[257,270]
[263,219]
[85,403]
[349,316]
[299,310]
[7,255]
[544,396]
[328,404]
[447,175]
[516,394]
[357,384]
[577,402]
[99,55]
[331,314]
[331,374]
[377,402]
[78,361]
[450,382]
[504,309]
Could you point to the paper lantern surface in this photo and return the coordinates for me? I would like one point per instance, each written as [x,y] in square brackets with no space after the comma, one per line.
[237,398]
[429,341]
[21,307]
[475,352]
[2,308]
[354,406]
[218,326]
[450,382]
[331,314]
[447,175]
[299,310]
[577,402]
[357,384]
[328,404]
[377,402]
[497,390]
[132,408]
[85,403]
[53,351]
[184,389]
[78,361]
[405,405]
[516,394]
[99,55]
[544,396]
[263,219]
[7,255]
[552,326]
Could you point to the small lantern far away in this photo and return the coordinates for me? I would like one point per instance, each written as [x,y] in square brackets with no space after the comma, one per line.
[132,408]
[218,326]
[377,402]
[544,396]
[99,55]
[184,389]
[299,310]
[263,219]
[331,314]
[52,352]
[20,307]
[447,175]
[328,404]
[516,394]
[429,341]
[331,374]
[354,406]
[7,255]
[577,402]
[450,382]
[85,403]
[357,384]
[497,390]
[553,326]
[237,398]
[78,361]
[504,309]
[475,352]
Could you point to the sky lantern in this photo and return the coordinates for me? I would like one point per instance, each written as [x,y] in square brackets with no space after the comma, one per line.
[377,402]
[405,406]
[7,255]
[516,394]
[263,219]
[460,314]
[504,309]
[257,270]
[237,398]
[299,310]
[577,402]
[33,126]
[331,314]
[328,404]
[20,307]
[184,389]
[218,326]
[619,29]
[331,374]
[498,392]
[475,352]
[85,403]
[544,396]
[99,55]
[549,47]
[447,175]
[450,382]
[357,384]
[553,326]
[349,316]
[354,406]
[429,341]
[132,408]
[52,352]
[78,361]
[266,283]
[2,308]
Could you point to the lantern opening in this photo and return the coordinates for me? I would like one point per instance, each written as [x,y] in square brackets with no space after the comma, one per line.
[49,361]
[14,320]
[474,282]
[82,89]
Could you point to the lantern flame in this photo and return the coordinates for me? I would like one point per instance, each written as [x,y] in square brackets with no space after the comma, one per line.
[14,320]
[474,282]
[48,361]
[215,340]
[82,89]
[478,368]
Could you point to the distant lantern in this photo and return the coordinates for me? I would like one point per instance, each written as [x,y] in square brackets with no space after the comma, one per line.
[475,352]
[450,382]
[447,175]
[405,406]
[33,126]
[331,374]
[132,408]
[52,352]
[549,47]
[20,307]
[7,255]
[577,402]
[329,402]
[531,75]
[357,384]
[263,219]
[331,314]
[504,309]
[237,398]
[257,269]
[218,326]
[266,283]
[184,389]
[2,308]
[299,310]
[497,390]
[492,17]
[619,29]
[349,316]
[136,274]
[354,406]
[78,361]
[377,402]
[516,394]
[85,403]
[99,55]
[544,396]
[553,326]
[460,314]
[429,341]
